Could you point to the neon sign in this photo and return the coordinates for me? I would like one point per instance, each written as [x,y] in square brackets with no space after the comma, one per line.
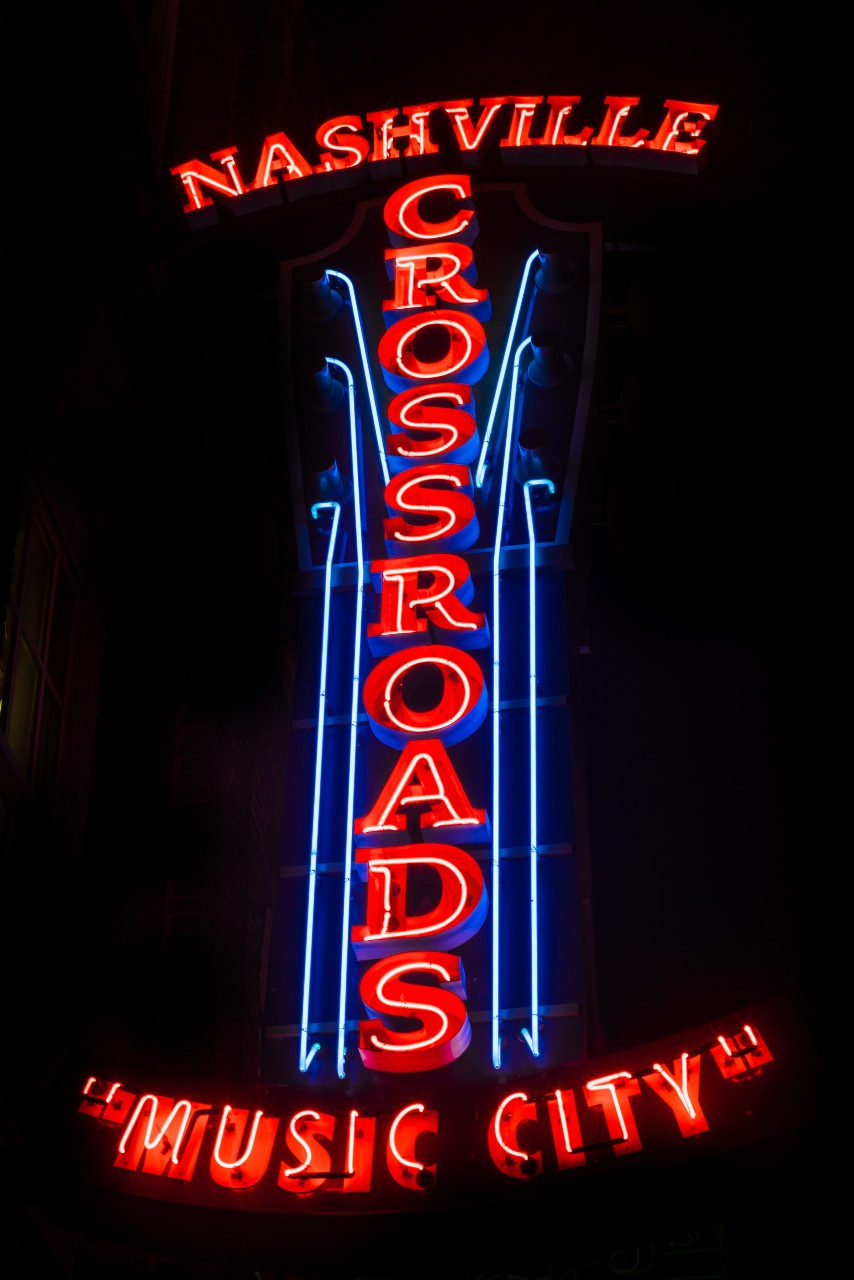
[424,1040]
[347,143]
[426,572]
[663,1096]
[438,513]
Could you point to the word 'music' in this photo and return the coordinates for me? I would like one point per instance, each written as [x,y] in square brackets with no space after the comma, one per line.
[345,142]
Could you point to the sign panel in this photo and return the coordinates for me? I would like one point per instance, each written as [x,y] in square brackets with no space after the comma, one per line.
[441,358]
[428,994]
[553,1132]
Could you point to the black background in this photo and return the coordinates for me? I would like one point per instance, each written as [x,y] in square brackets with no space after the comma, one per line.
[712,690]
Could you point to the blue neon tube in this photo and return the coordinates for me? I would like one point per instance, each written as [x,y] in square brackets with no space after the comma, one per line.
[354,712]
[366,368]
[523,284]
[496,705]
[306,1054]
[532,1037]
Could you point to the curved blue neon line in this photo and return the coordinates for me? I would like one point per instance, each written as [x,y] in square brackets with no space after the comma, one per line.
[533,1037]
[366,368]
[306,1054]
[496,703]
[354,711]
[481,462]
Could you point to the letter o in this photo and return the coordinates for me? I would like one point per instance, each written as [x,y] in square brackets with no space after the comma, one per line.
[467,359]
[460,710]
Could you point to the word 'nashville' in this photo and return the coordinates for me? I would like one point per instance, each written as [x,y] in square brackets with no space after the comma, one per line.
[345,142]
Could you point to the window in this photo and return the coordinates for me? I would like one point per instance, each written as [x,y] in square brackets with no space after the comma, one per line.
[36,644]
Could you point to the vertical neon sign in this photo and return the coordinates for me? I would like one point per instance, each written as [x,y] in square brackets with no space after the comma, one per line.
[425,354]
[438,720]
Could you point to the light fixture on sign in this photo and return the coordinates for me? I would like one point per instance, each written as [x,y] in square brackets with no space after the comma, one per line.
[555,273]
[325,392]
[550,365]
[536,463]
[320,300]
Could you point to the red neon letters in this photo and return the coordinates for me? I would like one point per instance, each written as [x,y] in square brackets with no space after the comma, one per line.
[313,1160]
[394,689]
[680,1089]
[443,1031]
[440,499]
[412,271]
[425,781]
[428,348]
[504,1140]
[418,590]
[310,1151]
[403,211]
[242,1149]
[163,1136]
[345,147]
[459,913]
[424,697]
[448,433]
[408,1130]
[612,1094]
[330,135]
